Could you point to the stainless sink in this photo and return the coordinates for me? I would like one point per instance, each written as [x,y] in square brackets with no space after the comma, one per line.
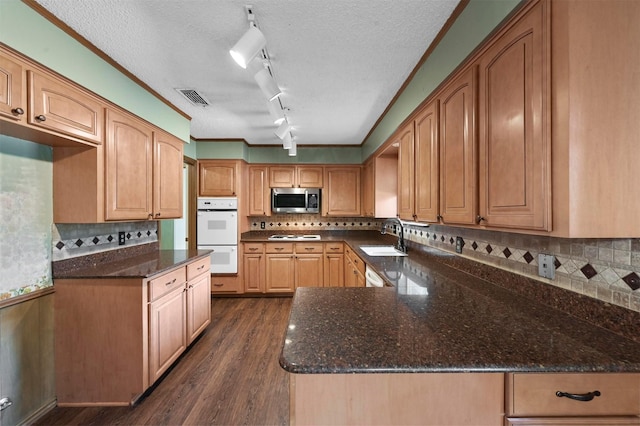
[382,251]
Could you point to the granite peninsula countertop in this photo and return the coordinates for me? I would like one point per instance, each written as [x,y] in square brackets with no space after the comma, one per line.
[143,265]
[437,318]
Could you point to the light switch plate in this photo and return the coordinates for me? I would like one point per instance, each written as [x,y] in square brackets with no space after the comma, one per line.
[546,266]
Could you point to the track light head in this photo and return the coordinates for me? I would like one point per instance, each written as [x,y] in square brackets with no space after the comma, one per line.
[267,84]
[249,45]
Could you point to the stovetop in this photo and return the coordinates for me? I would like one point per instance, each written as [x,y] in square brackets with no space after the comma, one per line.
[293,237]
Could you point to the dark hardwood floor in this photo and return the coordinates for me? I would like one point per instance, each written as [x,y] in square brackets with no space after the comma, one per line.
[230,376]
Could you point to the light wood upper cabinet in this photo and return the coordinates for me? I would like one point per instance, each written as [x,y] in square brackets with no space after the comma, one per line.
[458,151]
[61,107]
[13,93]
[168,161]
[295,176]
[218,178]
[259,192]
[368,189]
[406,170]
[427,182]
[129,168]
[341,194]
[515,153]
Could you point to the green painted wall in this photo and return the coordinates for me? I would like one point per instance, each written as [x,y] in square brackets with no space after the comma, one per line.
[24,30]
[473,25]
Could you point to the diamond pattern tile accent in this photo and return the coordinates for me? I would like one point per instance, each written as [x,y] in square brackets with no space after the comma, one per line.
[60,245]
[474,245]
[79,242]
[451,240]
[489,248]
[588,271]
[506,252]
[632,280]
[557,263]
[95,240]
[110,238]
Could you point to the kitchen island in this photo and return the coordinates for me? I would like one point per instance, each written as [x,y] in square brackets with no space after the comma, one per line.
[459,350]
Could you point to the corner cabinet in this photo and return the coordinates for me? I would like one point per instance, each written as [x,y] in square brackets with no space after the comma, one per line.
[132,330]
[341,193]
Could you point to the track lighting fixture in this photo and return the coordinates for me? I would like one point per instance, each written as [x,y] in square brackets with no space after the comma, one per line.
[293,151]
[282,130]
[287,141]
[251,43]
[267,84]
[275,111]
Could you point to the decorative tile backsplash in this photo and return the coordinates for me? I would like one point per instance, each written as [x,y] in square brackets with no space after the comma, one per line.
[314,222]
[605,269]
[73,240]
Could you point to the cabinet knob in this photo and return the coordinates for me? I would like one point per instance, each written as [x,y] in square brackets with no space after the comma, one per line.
[157,214]
[41,117]
[480,219]
[439,217]
[18,111]
[150,216]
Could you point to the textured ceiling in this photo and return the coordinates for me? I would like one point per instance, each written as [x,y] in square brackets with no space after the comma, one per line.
[338,62]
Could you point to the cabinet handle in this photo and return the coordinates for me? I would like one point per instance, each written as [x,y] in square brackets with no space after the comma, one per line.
[218,284]
[157,214]
[171,282]
[480,219]
[18,111]
[584,397]
[279,248]
[41,117]
[200,267]
[333,248]
[308,248]
[439,217]
[253,248]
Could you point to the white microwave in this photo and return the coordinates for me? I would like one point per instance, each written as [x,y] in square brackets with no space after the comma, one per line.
[295,200]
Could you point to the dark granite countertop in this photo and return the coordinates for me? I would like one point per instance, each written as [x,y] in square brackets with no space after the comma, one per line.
[439,318]
[138,266]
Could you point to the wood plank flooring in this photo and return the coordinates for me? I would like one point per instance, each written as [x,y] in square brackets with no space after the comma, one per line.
[230,376]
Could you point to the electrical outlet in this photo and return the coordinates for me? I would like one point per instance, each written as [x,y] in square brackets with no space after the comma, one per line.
[459,244]
[121,239]
[546,266]
[262,225]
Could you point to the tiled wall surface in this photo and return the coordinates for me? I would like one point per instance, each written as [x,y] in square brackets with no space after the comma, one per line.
[605,269]
[73,240]
[311,222]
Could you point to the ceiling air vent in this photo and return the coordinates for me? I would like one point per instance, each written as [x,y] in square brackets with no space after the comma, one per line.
[194,97]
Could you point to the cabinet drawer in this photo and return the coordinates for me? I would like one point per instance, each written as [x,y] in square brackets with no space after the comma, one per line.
[334,248]
[534,394]
[302,248]
[280,248]
[253,248]
[198,267]
[167,282]
[355,260]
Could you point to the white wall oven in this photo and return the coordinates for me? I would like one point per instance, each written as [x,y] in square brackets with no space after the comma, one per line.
[217,230]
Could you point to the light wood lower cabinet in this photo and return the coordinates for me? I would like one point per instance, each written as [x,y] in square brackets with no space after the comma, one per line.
[283,267]
[385,399]
[114,337]
[585,399]
[354,269]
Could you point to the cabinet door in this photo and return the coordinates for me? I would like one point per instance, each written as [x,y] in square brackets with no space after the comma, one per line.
[167,176]
[218,178]
[350,273]
[341,195]
[198,305]
[129,168]
[254,273]
[309,177]
[426,155]
[259,191]
[282,177]
[334,270]
[57,106]
[167,331]
[13,89]
[309,270]
[458,151]
[515,161]
[280,273]
[406,173]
